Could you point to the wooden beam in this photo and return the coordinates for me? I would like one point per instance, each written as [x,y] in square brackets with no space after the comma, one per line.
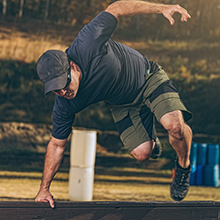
[206,210]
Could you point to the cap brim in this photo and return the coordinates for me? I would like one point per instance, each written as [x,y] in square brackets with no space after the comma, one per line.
[56,83]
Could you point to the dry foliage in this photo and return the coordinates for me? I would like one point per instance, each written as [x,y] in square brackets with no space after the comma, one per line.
[134,185]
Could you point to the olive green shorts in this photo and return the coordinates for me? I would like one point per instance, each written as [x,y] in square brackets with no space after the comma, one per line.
[135,121]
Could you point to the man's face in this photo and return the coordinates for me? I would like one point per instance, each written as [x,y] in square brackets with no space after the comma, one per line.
[70,91]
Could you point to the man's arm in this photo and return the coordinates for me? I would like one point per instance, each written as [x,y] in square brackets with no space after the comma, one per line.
[54,155]
[129,8]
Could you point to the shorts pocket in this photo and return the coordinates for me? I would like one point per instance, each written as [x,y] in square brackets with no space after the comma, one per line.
[169,102]
[123,122]
[119,113]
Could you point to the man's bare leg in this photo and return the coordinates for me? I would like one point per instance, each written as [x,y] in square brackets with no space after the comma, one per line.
[180,137]
[143,151]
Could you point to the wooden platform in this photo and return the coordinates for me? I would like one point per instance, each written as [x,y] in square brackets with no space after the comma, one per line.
[111,211]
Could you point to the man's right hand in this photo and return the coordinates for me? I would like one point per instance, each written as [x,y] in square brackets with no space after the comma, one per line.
[54,155]
[45,196]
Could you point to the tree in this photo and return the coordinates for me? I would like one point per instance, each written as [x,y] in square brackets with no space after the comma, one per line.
[47,10]
[4,9]
[21,8]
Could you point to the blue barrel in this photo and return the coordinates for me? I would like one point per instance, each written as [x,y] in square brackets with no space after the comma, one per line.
[201,159]
[193,154]
[211,173]
[200,175]
[192,178]
[212,154]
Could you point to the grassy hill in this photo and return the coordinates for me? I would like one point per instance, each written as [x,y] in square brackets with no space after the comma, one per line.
[194,66]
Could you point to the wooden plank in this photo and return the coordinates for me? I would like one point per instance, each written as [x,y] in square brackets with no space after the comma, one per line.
[111,210]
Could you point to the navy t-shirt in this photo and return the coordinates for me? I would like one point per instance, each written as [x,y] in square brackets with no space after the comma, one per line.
[111,72]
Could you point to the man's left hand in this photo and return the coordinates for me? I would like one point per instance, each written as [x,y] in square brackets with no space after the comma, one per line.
[169,10]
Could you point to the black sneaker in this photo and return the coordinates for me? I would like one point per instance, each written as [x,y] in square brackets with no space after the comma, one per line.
[180,185]
[157,151]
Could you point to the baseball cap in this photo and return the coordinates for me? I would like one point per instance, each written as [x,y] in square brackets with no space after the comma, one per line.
[52,69]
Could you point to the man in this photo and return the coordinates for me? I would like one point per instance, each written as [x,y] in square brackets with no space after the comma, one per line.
[95,68]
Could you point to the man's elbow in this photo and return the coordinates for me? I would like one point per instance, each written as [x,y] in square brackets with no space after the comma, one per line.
[114,10]
[59,144]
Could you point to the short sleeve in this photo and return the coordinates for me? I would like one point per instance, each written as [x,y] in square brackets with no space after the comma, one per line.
[90,42]
[62,119]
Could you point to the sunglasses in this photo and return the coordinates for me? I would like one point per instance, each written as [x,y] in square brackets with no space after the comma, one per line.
[68,81]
